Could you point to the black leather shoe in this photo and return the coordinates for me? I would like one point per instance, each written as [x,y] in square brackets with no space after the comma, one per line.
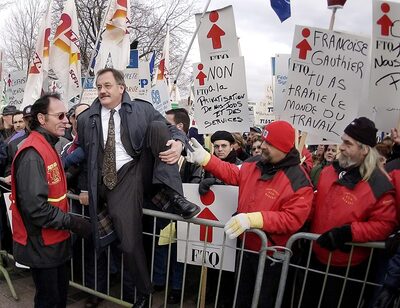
[174,297]
[142,301]
[183,207]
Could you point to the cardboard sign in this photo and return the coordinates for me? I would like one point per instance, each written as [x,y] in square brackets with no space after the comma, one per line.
[217,35]
[264,112]
[159,97]
[131,76]
[221,96]
[281,75]
[385,55]
[326,77]
[15,83]
[90,91]
[219,205]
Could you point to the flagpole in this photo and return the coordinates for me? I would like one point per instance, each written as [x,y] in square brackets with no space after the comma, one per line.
[94,50]
[332,22]
[191,42]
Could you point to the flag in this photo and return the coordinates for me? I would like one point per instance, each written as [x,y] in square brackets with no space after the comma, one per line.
[65,56]
[163,66]
[151,65]
[281,8]
[39,65]
[115,38]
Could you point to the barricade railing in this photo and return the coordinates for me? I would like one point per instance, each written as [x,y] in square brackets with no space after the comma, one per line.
[303,268]
[151,236]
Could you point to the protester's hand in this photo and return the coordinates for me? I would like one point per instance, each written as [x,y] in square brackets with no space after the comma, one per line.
[199,155]
[336,238]
[204,185]
[172,155]
[84,198]
[395,135]
[242,222]
[392,244]
[7,180]
[80,226]
[385,298]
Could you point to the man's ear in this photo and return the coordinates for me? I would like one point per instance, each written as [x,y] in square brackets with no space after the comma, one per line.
[41,118]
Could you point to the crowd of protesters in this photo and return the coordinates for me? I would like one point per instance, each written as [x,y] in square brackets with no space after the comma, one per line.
[120,155]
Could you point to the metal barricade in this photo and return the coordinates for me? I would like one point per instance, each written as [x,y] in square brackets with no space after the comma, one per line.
[304,268]
[150,236]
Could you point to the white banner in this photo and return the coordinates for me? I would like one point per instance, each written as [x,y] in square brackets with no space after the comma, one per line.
[385,51]
[219,204]
[217,35]
[221,96]
[326,77]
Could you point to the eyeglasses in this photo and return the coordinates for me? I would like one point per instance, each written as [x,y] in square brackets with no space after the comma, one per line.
[60,115]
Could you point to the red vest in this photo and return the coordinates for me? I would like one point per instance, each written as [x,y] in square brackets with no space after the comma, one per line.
[57,190]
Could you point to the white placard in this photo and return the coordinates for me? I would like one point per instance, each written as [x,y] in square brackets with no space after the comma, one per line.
[386,118]
[131,76]
[219,205]
[326,77]
[89,92]
[221,96]
[385,55]
[264,112]
[281,75]
[159,97]
[15,83]
[217,35]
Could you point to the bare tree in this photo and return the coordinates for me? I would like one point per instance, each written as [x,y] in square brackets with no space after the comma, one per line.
[19,37]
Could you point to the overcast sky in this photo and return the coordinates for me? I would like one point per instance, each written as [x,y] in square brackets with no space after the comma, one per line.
[262,35]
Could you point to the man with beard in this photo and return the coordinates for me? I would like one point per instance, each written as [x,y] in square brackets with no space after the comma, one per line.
[275,195]
[354,202]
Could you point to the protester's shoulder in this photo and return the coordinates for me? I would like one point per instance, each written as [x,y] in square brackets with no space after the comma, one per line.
[142,104]
[28,155]
[393,165]
[379,183]
[297,177]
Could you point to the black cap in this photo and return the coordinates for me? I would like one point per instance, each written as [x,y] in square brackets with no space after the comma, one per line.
[9,110]
[222,135]
[27,111]
[363,130]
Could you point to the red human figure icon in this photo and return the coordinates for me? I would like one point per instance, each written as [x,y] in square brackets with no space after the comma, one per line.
[215,32]
[304,46]
[385,22]
[9,81]
[201,76]
[207,200]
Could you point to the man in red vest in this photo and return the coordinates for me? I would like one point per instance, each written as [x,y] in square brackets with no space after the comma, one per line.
[40,220]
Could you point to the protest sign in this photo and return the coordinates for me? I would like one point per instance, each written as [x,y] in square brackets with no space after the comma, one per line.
[386,118]
[218,204]
[217,35]
[385,55]
[15,84]
[280,79]
[131,76]
[159,97]
[221,96]
[264,112]
[326,75]
[89,91]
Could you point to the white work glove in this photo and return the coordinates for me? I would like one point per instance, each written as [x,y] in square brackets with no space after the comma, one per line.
[242,222]
[199,155]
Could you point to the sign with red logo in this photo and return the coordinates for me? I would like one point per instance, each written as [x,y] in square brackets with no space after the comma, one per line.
[327,75]
[205,243]
[217,35]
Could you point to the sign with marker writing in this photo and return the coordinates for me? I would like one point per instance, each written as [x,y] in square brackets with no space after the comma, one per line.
[386,118]
[217,35]
[131,76]
[15,85]
[220,96]
[206,244]
[327,73]
[281,75]
[264,112]
[385,55]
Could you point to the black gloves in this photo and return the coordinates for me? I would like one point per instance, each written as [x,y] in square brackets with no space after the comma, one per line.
[204,185]
[335,238]
[80,226]
[392,244]
[385,298]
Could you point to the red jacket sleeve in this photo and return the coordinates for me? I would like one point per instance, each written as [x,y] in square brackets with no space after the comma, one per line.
[226,172]
[380,224]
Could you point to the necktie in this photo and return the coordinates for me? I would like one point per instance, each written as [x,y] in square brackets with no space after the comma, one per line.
[109,162]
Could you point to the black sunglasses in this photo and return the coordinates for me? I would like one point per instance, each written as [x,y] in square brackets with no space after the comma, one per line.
[60,115]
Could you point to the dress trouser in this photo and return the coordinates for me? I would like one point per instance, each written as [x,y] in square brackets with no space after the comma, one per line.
[51,286]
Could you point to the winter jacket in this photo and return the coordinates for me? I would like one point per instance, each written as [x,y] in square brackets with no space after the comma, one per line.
[367,206]
[39,204]
[282,193]
[393,168]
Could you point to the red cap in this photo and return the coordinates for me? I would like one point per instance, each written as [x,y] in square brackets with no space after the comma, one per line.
[279,134]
